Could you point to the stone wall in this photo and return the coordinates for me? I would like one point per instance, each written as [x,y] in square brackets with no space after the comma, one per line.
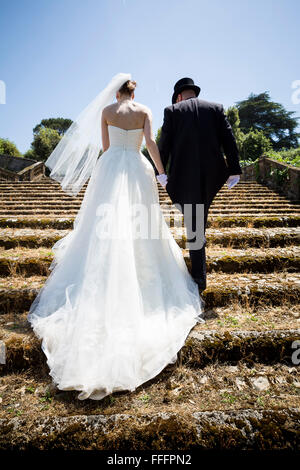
[249,173]
[279,176]
[20,169]
[15,164]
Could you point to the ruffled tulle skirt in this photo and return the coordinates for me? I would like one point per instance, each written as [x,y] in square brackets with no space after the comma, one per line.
[119,301]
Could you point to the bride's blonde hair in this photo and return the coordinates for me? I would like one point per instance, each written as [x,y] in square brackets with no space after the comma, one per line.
[128,87]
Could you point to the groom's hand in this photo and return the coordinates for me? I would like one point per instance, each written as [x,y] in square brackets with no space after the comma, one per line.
[162,179]
[232,181]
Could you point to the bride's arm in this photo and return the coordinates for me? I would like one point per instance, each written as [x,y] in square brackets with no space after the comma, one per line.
[151,144]
[104,131]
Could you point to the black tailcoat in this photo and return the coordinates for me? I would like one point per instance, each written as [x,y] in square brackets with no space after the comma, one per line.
[194,135]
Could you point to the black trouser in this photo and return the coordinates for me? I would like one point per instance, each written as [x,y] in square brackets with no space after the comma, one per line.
[197,256]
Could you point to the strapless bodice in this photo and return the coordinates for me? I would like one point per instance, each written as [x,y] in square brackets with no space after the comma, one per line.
[127,139]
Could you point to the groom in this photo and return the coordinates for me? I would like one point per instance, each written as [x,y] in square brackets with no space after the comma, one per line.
[193,137]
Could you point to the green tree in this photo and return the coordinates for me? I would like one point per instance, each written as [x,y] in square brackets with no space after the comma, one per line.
[29,154]
[60,125]
[8,147]
[44,142]
[255,144]
[259,113]
[234,120]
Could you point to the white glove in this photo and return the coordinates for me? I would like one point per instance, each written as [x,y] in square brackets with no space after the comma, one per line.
[232,181]
[162,179]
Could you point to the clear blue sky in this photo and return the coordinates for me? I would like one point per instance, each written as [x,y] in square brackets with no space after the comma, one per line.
[56,55]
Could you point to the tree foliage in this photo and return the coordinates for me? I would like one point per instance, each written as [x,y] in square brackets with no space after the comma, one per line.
[29,154]
[8,147]
[251,145]
[258,112]
[254,145]
[44,142]
[234,120]
[291,157]
[60,125]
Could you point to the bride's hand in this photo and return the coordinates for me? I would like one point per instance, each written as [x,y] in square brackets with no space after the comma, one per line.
[162,179]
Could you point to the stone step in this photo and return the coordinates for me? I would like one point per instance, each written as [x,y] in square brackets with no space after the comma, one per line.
[213,222]
[230,204]
[247,289]
[202,347]
[30,261]
[216,374]
[59,192]
[15,207]
[247,260]
[247,429]
[216,211]
[34,199]
[228,318]
[167,213]
[49,181]
[53,184]
[235,238]
[165,201]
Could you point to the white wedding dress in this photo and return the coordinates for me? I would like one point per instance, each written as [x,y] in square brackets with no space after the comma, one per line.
[115,311]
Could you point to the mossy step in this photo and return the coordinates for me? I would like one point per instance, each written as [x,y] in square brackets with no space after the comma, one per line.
[202,347]
[247,429]
[60,206]
[47,196]
[44,213]
[238,207]
[215,212]
[248,289]
[241,220]
[178,387]
[232,204]
[235,238]
[30,262]
[243,237]
[253,208]
[230,318]
[40,222]
[39,204]
[163,199]
[30,237]
[56,186]
[244,190]
[213,222]
[247,260]
[49,181]
[59,192]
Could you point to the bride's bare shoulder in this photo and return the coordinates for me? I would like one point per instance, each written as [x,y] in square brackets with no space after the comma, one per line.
[109,108]
[142,108]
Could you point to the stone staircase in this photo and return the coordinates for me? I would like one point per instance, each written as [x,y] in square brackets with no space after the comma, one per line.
[236,383]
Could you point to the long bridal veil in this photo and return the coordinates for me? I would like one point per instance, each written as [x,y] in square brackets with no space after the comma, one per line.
[74,157]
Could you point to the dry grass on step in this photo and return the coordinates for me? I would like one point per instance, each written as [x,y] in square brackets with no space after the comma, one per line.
[176,389]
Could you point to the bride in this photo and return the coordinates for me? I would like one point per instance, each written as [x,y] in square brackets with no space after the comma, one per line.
[119,301]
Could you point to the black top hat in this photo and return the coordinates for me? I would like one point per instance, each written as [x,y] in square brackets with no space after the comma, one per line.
[184,84]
